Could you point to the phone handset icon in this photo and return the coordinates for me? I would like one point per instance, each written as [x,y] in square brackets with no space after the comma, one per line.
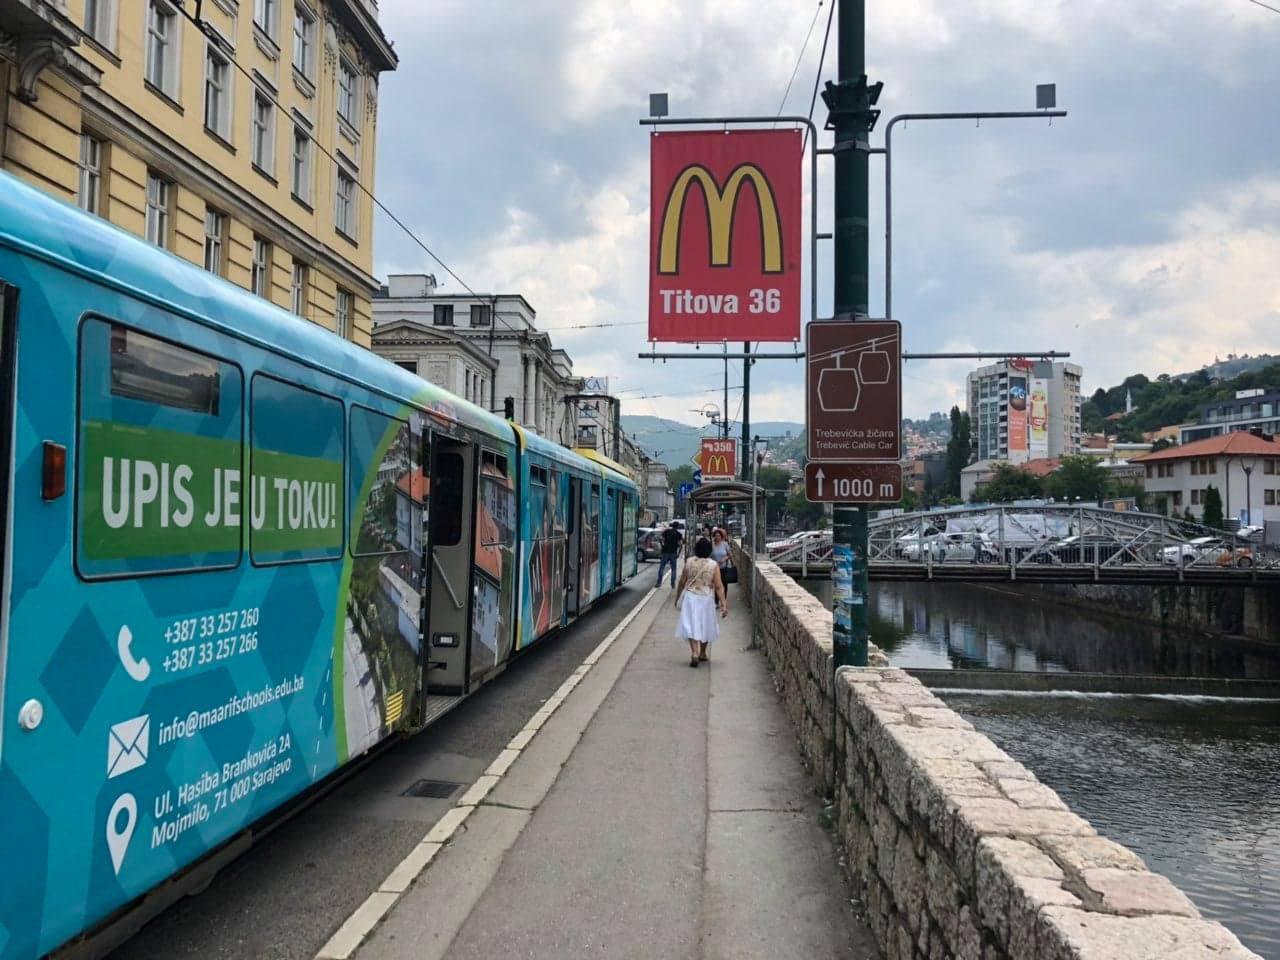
[138,669]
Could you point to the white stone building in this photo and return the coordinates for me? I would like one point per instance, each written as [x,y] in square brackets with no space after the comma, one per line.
[525,365]
[1244,467]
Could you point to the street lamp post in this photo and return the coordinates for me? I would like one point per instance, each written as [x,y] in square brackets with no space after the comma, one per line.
[888,175]
[1248,487]
[758,449]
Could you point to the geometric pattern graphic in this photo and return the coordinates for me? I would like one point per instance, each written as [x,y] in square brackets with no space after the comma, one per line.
[79,669]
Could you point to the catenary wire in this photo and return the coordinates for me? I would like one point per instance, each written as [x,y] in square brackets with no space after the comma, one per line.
[800,58]
[822,58]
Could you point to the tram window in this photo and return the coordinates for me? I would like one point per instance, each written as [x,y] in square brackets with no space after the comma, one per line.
[388,485]
[447,497]
[497,526]
[158,475]
[144,368]
[295,474]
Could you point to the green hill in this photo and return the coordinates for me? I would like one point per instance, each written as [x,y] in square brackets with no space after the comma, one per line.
[1166,400]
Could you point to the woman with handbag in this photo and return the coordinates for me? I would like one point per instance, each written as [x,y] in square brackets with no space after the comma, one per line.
[702,592]
[722,554]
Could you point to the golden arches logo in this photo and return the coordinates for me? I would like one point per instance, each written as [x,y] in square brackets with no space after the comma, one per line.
[718,465]
[721,206]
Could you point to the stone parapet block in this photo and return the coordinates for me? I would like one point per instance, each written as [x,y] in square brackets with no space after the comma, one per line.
[959,849]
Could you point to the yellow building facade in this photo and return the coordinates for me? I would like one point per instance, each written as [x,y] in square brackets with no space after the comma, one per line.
[238,134]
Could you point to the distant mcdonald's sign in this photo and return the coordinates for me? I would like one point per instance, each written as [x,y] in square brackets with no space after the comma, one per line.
[719,459]
[725,236]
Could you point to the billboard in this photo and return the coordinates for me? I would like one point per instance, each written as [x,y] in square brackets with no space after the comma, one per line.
[1017,418]
[1038,418]
[725,235]
[719,459]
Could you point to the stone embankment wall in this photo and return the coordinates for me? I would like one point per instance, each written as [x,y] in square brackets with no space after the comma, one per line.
[1251,612]
[959,850]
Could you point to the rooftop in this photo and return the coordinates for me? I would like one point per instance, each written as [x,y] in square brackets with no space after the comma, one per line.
[1234,444]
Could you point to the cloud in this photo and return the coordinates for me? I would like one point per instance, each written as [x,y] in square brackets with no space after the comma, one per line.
[1140,233]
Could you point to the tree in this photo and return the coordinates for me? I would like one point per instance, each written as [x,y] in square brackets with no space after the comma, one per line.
[805,514]
[1213,508]
[1164,443]
[1078,478]
[957,451]
[1007,484]
[679,475]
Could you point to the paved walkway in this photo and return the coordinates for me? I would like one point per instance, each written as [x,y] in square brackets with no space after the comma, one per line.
[662,811]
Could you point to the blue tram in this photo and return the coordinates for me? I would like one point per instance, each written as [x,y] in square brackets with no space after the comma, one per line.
[238,552]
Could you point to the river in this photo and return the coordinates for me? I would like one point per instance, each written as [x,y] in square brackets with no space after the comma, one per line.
[1191,784]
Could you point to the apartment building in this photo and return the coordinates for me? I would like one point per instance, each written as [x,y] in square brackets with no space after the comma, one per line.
[244,144]
[1022,410]
[1244,467]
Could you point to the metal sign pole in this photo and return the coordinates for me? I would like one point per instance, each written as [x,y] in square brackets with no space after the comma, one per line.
[849,102]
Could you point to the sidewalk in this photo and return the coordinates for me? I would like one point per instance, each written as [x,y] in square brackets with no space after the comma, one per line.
[660,812]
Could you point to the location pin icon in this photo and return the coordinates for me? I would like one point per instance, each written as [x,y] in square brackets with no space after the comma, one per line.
[118,835]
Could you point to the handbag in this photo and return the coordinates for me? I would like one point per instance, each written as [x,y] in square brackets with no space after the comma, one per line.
[729,573]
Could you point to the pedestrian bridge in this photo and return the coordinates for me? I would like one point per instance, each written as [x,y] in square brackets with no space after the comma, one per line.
[1046,544]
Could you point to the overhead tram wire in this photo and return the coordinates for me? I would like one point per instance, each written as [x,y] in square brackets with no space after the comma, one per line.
[1265,6]
[212,34]
[822,58]
[799,59]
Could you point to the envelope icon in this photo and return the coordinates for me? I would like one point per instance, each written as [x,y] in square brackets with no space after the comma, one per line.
[127,745]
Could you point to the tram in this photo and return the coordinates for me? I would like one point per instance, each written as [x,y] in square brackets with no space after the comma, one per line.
[238,552]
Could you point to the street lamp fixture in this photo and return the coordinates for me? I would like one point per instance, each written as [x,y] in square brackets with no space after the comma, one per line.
[1046,97]
[1248,465]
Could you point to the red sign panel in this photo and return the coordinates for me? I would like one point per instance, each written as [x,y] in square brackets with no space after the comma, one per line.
[854,390]
[853,482]
[719,459]
[724,236]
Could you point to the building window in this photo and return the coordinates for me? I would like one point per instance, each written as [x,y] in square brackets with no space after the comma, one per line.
[260,279]
[265,14]
[299,288]
[162,47]
[348,93]
[99,21]
[89,195]
[217,92]
[301,163]
[1269,498]
[344,213]
[159,198]
[410,365]
[342,313]
[442,314]
[215,240]
[481,315]
[1177,498]
[304,39]
[1269,467]
[263,133]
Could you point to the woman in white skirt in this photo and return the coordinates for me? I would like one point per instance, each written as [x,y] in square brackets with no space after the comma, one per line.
[703,592]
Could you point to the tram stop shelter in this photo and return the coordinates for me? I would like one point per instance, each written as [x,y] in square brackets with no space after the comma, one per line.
[718,492]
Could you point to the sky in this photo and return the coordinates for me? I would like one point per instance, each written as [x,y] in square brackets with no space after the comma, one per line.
[1139,233]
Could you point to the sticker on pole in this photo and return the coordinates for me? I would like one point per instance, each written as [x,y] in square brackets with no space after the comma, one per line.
[854,391]
[725,235]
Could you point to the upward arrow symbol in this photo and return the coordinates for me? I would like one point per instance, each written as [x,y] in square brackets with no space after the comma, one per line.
[819,476]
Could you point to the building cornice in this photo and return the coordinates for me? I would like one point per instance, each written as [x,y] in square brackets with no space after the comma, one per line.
[164,153]
[366,34]
[409,333]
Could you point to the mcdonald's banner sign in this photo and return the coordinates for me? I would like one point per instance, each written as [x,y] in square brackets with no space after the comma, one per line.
[719,459]
[724,235]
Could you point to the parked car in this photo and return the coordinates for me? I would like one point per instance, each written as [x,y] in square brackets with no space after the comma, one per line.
[778,546]
[648,544]
[957,546]
[909,540]
[1089,548]
[1209,550]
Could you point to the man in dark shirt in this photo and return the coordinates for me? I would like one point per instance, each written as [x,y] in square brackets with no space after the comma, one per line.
[671,539]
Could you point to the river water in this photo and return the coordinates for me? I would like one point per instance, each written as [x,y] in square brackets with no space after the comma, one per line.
[1191,784]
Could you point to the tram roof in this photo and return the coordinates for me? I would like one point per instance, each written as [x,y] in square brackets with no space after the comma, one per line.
[57,232]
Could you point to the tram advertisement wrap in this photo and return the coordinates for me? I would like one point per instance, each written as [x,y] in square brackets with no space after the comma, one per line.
[183,707]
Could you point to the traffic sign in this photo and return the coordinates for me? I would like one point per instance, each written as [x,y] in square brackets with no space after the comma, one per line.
[853,407]
[853,482]
[697,478]
[685,490]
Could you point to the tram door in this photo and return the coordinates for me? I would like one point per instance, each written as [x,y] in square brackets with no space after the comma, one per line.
[451,549]
[572,553]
